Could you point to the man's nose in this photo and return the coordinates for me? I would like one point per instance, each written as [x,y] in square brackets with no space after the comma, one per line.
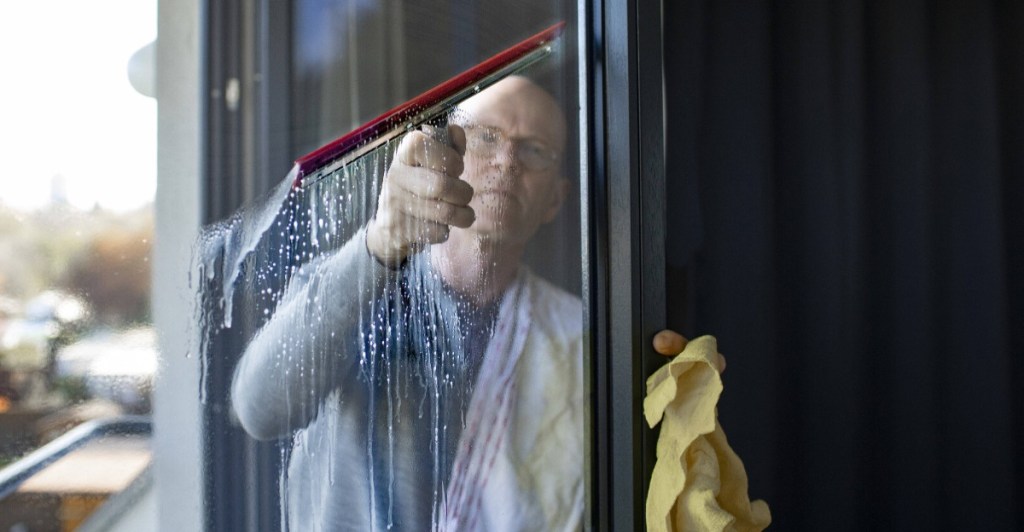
[505,157]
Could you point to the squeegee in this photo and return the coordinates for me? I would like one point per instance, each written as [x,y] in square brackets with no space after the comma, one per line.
[424,108]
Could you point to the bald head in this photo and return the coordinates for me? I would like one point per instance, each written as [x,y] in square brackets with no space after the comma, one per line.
[520,107]
[517,182]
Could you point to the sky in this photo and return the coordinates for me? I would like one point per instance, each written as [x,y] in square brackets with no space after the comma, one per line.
[67,108]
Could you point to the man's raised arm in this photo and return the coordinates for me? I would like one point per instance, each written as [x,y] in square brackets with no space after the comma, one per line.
[303,352]
[298,356]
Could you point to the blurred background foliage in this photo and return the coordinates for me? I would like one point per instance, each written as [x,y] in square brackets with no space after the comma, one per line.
[98,255]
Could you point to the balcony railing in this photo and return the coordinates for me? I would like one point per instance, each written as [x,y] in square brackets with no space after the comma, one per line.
[14,475]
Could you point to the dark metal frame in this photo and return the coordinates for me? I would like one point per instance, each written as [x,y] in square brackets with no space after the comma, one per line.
[247,146]
[624,255]
[625,86]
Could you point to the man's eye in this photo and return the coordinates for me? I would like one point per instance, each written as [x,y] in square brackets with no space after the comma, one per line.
[532,149]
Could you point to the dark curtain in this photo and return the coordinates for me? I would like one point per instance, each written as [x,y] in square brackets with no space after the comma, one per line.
[846,182]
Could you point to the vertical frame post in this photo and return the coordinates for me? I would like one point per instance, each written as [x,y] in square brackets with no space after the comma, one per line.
[625,104]
[246,151]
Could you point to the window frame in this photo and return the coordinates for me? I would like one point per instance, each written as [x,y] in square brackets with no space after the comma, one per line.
[627,260]
[247,49]
[247,75]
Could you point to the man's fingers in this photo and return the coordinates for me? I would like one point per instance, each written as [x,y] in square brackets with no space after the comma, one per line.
[394,232]
[669,343]
[427,184]
[426,233]
[412,148]
[458,137]
[420,149]
[453,135]
[422,197]
[435,211]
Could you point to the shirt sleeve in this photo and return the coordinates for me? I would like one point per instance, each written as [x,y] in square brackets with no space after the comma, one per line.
[302,353]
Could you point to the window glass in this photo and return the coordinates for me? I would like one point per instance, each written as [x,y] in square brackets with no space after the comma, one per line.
[355,60]
[408,329]
[77,345]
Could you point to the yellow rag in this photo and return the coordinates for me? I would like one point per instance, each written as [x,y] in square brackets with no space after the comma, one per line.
[698,482]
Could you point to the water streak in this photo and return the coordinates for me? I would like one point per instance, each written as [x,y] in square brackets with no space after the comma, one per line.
[268,276]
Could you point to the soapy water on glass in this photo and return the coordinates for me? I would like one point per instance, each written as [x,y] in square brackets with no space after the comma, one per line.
[242,266]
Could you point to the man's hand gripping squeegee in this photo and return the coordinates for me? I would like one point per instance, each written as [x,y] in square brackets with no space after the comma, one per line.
[425,108]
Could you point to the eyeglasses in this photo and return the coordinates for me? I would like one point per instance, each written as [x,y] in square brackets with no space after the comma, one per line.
[487,141]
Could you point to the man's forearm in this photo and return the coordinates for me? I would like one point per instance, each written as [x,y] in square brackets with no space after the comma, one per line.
[296,359]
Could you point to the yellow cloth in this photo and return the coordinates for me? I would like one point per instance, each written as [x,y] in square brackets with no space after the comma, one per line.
[698,482]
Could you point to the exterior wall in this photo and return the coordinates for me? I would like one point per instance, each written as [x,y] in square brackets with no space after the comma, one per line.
[176,410]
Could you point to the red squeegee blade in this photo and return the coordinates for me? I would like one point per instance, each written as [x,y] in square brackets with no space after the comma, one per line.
[424,107]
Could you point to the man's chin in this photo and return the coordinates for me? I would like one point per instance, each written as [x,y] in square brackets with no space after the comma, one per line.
[491,231]
[488,233]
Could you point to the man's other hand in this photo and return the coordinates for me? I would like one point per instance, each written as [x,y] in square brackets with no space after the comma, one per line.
[421,196]
[671,343]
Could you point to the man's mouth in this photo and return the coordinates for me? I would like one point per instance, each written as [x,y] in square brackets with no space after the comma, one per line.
[495,199]
[501,192]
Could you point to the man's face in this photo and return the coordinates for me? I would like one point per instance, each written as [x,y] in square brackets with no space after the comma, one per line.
[515,138]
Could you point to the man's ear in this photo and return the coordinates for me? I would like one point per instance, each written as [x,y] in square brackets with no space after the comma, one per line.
[559,192]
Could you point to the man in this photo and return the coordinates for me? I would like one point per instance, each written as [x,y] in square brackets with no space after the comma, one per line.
[432,379]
